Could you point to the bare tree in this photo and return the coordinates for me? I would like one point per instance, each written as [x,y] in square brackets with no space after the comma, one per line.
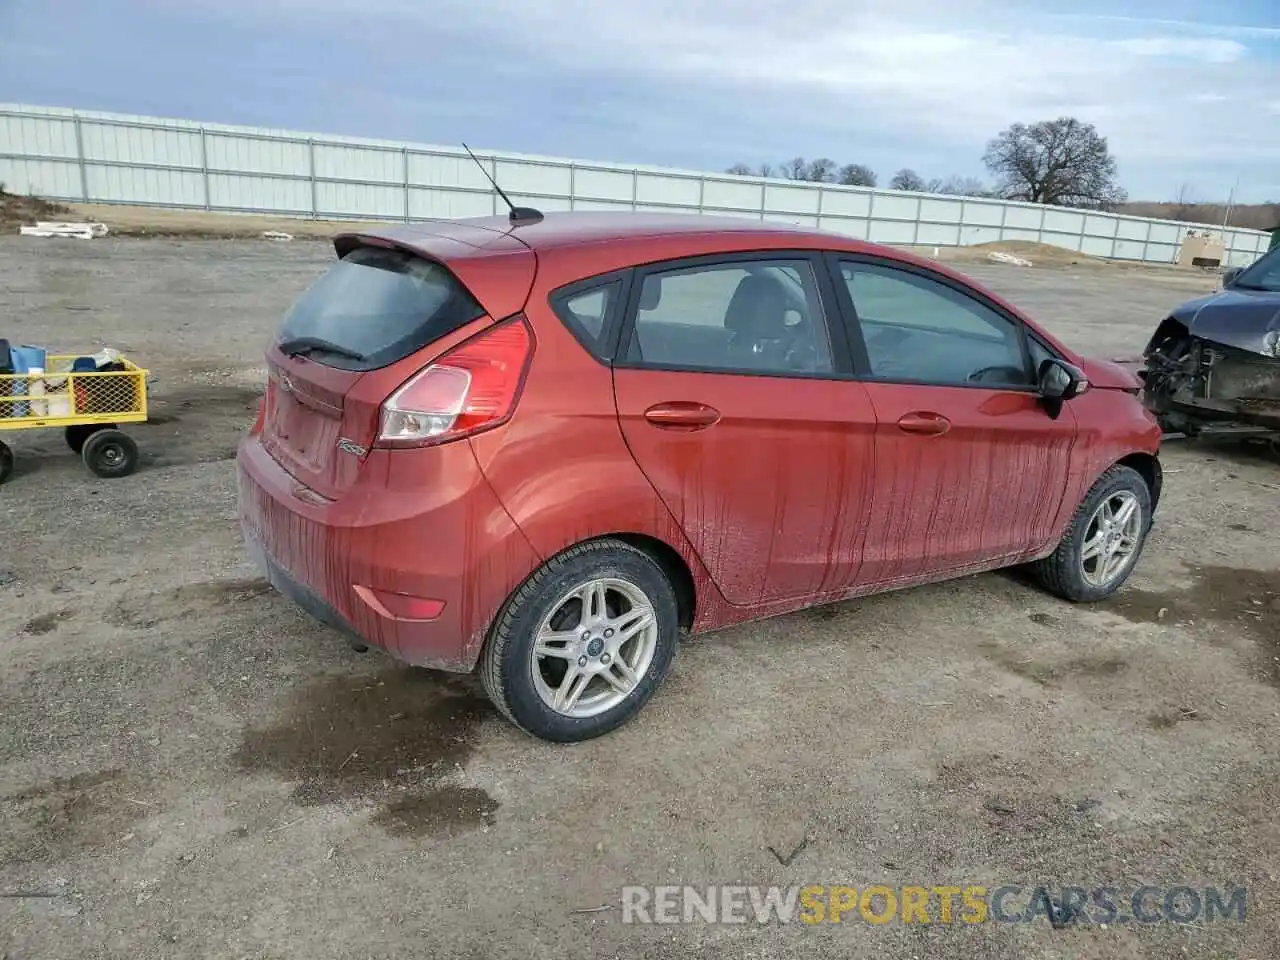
[746,170]
[958,186]
[822,170]
[1064,162]
[857,175]
[796,168]
[1182,206]
[907,179]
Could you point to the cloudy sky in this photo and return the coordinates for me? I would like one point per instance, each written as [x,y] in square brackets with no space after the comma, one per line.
[1187,93]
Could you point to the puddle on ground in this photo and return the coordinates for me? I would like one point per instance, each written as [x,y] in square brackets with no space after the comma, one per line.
[428,812]
[394,738]
[65,816]
[1047,673]
[1167,719]
[1247,600]
[824,613]
[189,600]
[46,622]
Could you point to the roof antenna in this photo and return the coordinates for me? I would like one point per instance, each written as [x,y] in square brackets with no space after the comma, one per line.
[519,216]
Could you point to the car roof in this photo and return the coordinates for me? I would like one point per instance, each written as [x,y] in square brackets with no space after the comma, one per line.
[582,243]
[581,227]
[623,238]
[572,228]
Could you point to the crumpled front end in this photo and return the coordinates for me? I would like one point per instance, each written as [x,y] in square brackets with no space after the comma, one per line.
[1193,384]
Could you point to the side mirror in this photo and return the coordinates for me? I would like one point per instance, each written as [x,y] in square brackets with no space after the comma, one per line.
[1229,275]
[1059,382]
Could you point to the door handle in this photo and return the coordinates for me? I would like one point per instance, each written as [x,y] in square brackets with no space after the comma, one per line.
[924,423]
[682,415]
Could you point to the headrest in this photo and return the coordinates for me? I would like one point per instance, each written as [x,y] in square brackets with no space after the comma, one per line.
[651,293]
[758,308]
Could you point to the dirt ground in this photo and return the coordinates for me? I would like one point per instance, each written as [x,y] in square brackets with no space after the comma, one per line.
[189,767]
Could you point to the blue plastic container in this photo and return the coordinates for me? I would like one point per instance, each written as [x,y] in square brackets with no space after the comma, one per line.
[25,358]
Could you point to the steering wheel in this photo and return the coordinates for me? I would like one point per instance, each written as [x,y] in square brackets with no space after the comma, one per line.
[798,346]
[1009,374]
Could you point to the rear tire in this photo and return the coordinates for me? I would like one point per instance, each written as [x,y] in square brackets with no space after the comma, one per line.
[1078,569]
[110,454]
[603,619]
[6,462]
[78,434]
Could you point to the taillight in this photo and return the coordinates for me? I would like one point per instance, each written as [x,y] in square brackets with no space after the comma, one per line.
[471,388]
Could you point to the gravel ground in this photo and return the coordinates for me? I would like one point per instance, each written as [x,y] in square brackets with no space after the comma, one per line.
[191,768]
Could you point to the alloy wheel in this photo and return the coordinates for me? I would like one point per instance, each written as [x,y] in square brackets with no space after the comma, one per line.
[1111,539]
[594,647]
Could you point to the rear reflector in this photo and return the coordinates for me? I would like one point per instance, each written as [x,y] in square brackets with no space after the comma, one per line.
[400,606]
[471,388]
[260,419]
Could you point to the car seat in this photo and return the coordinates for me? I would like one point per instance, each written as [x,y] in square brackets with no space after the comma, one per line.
[756,319]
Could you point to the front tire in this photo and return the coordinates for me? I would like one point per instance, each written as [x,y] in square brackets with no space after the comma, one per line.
[583,644]
[1102,545]
[110,454]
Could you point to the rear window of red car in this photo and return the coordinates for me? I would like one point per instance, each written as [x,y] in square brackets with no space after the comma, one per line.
[376,306]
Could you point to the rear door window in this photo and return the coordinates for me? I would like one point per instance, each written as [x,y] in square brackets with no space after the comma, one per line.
[742,316]
[373,307]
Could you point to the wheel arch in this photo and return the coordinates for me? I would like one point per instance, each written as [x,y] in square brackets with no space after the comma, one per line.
[1148,467]
[672,564]
[667,557]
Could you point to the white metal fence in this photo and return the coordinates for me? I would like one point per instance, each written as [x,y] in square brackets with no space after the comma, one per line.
[111,158]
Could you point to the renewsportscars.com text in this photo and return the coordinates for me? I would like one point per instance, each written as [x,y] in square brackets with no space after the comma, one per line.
[939,904]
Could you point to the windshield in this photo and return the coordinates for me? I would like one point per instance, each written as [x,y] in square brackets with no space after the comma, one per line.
[374,307]
[1263,275]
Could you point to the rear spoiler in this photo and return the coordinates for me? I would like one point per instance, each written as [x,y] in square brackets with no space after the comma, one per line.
[496,268]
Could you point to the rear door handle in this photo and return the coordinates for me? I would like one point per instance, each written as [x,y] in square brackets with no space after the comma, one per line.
[682,415]
[925,423]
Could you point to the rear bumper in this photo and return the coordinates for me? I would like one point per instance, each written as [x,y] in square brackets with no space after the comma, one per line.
[312,603]
[415,558]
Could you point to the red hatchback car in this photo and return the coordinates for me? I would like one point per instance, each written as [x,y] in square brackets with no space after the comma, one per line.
[542,450]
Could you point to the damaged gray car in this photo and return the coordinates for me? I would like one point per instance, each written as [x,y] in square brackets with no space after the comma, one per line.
[1213,365]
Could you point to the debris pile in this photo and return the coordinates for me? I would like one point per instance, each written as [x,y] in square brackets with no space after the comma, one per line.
[16,210]
[82,230]
[1001,257]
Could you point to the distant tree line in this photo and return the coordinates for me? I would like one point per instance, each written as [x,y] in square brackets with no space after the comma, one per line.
[824,170]
[1064,162]
[1250,216]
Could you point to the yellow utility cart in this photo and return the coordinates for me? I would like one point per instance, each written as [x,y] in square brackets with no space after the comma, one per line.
[89,404]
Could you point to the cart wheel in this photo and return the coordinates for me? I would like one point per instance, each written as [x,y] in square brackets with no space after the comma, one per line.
[6,462]
[78,433]
[110,453]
